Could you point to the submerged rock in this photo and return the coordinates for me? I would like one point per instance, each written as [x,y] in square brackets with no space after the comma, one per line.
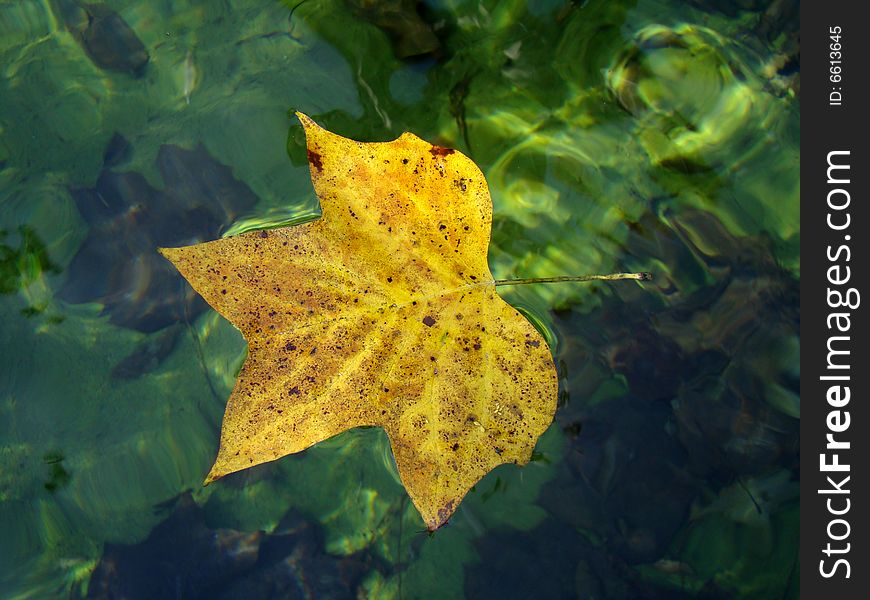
[106,38]
[185,558]
[147,355]
[117,151]
[118,265]
[182,558]
[706,405]
[624,479]
[399,19]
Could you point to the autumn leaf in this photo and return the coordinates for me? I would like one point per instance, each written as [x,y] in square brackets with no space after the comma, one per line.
[382,312]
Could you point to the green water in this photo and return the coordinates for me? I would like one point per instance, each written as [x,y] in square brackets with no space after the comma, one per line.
[653,136]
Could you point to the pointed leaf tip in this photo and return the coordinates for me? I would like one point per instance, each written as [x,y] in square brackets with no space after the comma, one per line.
[171,254]
[307,122]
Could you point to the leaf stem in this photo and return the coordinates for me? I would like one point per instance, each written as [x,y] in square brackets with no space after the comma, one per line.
[644,276]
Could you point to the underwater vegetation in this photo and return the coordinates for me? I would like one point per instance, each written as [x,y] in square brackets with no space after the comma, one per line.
[641,135]
[23,263]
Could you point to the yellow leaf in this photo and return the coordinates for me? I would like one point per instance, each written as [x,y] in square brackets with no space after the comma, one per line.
[381,312]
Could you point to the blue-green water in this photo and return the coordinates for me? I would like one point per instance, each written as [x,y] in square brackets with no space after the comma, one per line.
[653,135]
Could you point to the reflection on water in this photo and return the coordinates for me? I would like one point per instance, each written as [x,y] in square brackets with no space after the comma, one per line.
[615,135]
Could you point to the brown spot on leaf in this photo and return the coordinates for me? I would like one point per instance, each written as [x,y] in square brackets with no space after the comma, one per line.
[428,321]
[439,151]
[314,159]
[533,343]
